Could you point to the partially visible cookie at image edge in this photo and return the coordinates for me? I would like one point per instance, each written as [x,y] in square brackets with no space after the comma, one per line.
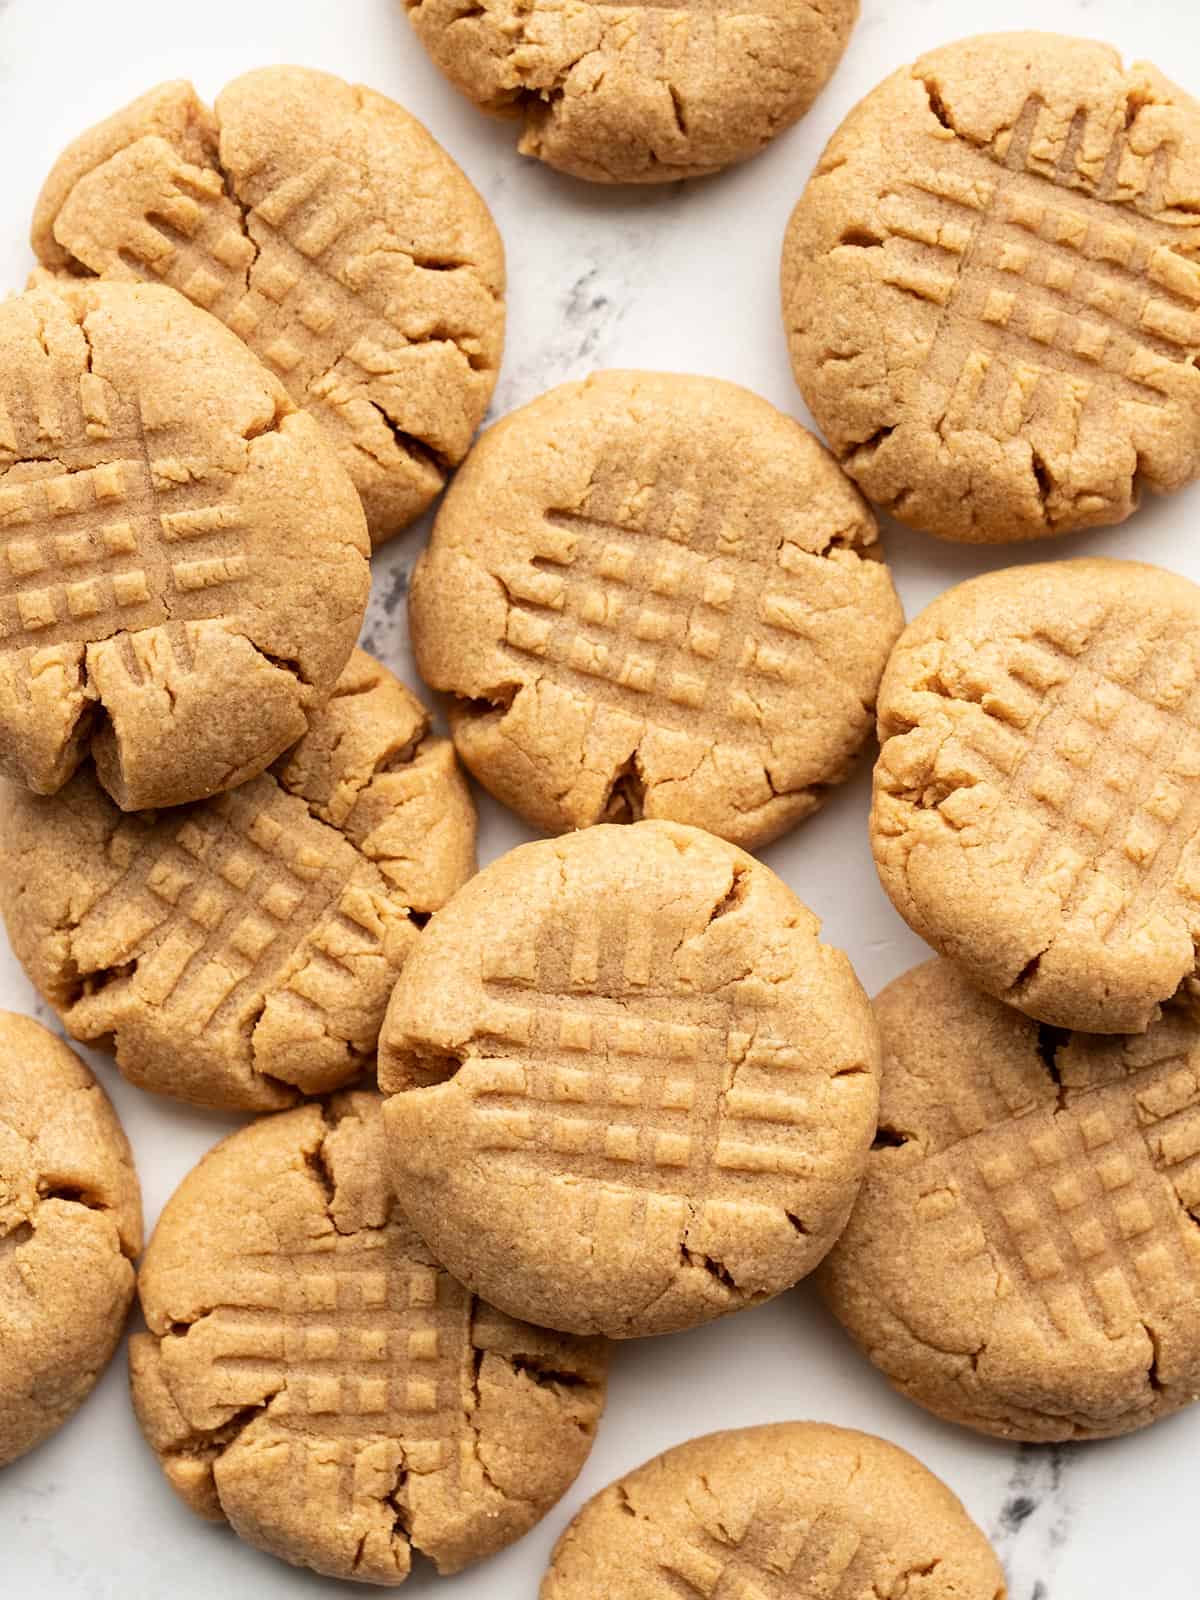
[1024,1256]
[183,562]
[241,951]
[621,94]
[313,1376]
[70,1228]
[990,288]
[801,1509]
[328,229]
[655,595]
[1037,796]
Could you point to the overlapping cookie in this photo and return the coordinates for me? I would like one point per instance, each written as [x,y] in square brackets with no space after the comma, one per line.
[241,951]
[315,1378]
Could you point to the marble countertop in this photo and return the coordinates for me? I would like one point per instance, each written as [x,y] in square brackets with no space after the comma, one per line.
[681,278]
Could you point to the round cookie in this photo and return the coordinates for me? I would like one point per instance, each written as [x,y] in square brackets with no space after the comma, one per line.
[182,560]
[314,1377]
[631,1091]
[242,950]
[70,1226]
[801,1509]
[655,595]
[331,232]
[1023,1256]
[991,293]
[622,94]
[1037,796]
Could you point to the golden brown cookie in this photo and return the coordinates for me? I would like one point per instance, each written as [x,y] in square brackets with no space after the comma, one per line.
[240,951]
[314,1377]
[631,1090]
[1024,1255]
[70,1226]
[331,232]
[797,1509]
[1037,797]
[991,291]
[655,595]
[182,559]
[639,93]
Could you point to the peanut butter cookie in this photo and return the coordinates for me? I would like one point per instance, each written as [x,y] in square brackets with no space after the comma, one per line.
[800,1509]
[182,560]
[1024,1255]
[631,1090]
[655,595]
[331,232]
[1037,796]
[242,950]
[991,290]
[315,1378]
[70,1226]
[640,93]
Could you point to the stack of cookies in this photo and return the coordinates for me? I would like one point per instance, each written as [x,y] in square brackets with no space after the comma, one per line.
[613,1085]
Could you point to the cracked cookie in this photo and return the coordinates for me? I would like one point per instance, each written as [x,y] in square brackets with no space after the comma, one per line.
[331,232]
[182,560]
[1037,795]
[655,595]
[631,1090]
[797,1508]
[316,1379]
[70,1226]
[639,94]
[241,951]
[1024,1257]
[991,291]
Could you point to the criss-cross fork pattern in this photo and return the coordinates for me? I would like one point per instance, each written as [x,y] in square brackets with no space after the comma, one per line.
[650,601]
[360,1348]
[301,292]
[628,1081]
[1100,748]
[216,904]
[707,37]
[1044,279]
[773,1559]
[1082,1203]
[118,521]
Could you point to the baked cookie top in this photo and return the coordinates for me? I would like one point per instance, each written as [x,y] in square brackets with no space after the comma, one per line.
[70,1226]
[331,232]
[630,1089]
[314,1377]
[640,93]
[1024,1256]
[1038,788]
[182,559]
[800,1509]
[991,293]
[242,950]
[655,595]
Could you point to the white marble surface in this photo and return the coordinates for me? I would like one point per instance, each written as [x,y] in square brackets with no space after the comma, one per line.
[681,278]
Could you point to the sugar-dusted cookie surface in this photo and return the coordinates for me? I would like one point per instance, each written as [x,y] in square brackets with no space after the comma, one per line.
[331,232]
[70,1227]
[242,950]
[182,560]
[639,93]
[315,1378]
[655,595]
[631,1090]
[1037,796]
[797,1509]
[991,291]
[1024,1255]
